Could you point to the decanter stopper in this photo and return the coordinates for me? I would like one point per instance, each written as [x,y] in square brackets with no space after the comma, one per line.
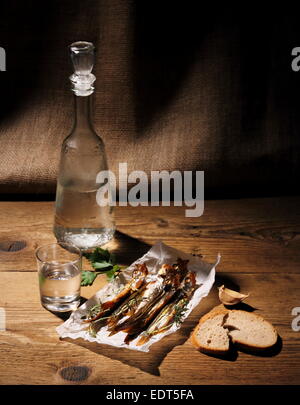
[82,55]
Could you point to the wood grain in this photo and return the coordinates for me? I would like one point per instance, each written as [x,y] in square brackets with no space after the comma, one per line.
[259,244]
[254,235]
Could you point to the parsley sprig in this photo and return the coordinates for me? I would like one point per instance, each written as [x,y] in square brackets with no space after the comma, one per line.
[180,310]
[103,262]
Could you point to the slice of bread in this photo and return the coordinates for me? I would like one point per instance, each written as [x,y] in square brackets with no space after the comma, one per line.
[216,329]
[210,336]
[250,330]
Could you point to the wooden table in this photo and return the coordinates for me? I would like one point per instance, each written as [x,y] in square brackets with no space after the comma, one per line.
[259,240]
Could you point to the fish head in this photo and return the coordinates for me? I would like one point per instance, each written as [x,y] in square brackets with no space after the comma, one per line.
[138,275]
[165,270]
[189,282]
[181,267]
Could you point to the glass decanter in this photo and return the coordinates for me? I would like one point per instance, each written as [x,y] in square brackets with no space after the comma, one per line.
[79,219]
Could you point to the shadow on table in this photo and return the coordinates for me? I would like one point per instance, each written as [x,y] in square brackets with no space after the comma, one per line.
[126,248]
[148,362]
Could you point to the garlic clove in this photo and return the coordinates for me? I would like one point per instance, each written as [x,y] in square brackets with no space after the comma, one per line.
[230,297]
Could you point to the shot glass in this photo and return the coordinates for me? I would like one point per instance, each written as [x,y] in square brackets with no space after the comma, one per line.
[59,271]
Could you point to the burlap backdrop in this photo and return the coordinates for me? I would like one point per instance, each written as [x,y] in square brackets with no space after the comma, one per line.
[178,87]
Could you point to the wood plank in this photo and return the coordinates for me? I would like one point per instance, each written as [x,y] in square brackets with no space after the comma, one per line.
[252,235]
[31,352]
[259,243]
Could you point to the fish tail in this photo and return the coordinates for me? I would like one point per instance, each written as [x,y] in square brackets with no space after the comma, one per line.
[112,333]
[142,340]
[127,339]
[130,337]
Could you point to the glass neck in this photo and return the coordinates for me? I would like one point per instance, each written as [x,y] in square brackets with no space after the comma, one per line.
[83,112]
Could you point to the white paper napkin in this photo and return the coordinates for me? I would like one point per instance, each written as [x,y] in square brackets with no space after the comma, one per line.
[159,254]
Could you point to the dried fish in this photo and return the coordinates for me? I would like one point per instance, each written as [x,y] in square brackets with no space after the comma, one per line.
[138,278]
[171,313]
[136,305]
[156,293]
[138,323]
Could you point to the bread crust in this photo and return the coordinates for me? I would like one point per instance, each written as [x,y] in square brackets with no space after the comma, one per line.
[253,347]
[222,310]
[218,310]
[203,349]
